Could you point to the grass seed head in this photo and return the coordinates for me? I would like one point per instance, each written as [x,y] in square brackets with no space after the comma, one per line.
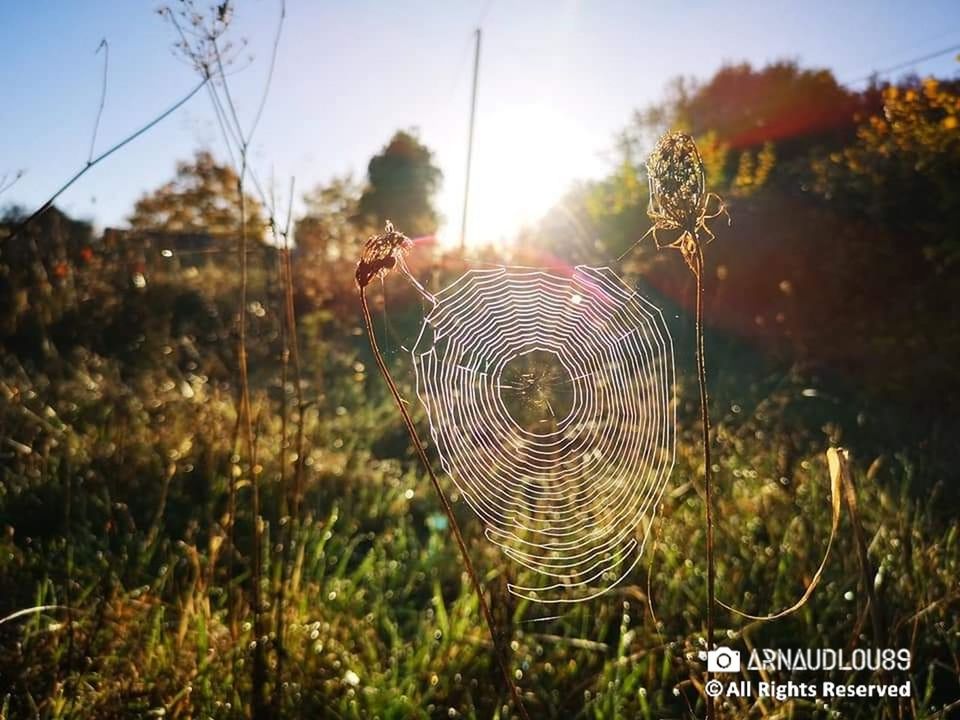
[380,254]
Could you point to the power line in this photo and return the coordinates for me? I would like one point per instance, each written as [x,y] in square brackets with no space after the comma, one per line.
[484,12]
[906,64]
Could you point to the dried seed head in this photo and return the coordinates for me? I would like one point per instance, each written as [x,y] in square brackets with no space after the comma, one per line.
[679,201]
[380,254]
[677,183]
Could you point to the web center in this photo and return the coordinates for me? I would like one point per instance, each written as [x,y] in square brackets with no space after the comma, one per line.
[537,390]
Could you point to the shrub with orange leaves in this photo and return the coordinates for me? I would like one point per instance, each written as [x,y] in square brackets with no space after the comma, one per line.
[903,168]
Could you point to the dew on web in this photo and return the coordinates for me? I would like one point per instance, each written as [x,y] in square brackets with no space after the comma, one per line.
[550,403]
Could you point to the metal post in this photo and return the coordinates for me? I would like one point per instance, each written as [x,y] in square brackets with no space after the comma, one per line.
[473,112]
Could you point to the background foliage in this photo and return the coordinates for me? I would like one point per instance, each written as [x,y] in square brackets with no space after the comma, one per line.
[832,320]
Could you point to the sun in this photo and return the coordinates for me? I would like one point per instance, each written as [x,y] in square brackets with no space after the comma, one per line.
[525,158]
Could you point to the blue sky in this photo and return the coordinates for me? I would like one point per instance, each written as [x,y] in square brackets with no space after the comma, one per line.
[557,81]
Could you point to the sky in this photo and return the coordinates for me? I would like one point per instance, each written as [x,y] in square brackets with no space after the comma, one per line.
[558,79]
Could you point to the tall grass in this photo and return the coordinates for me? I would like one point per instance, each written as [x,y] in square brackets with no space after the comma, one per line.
[378,619]
[202,33]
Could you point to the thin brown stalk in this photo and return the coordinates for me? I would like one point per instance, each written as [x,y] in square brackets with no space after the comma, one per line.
[283,509]
[157,520]
[866,567]
[290,353]
[205,54]
[6,184]
[105,46]
[707,470]
[298,390]
[680,203]
[68,585]
[231,529]
[294,350]
[447,508]
[259,669]
[48,203]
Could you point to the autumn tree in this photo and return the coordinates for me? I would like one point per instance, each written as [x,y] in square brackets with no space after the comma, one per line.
[329,229]
[327,236]
[202,198]
[903,171]
[401,182]
[747,107]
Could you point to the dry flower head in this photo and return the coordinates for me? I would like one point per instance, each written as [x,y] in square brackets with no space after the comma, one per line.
[382,253]
[202,30]
[679,201]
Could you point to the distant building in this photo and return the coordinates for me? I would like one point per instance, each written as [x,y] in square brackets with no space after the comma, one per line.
[62,244]
[54,238]
[159,249]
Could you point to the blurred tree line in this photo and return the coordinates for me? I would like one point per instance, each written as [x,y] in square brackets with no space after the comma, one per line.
[118,366]
[838,263]
[840,257]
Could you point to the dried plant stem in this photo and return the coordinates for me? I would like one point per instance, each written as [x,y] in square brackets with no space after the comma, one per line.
[105,46]
[447,508]
[298,388]
[48,203]
[259,669]
[68,585]
[697,268]
[290,510]
[154,532]
[231,524]
[866,567]
[283,509]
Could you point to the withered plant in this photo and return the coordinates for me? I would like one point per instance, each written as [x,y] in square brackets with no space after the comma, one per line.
[681,206]
[380,255]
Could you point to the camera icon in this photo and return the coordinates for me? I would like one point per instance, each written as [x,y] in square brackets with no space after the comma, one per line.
[723,660]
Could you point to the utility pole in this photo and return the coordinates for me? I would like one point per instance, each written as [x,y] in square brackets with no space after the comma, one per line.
[473,113]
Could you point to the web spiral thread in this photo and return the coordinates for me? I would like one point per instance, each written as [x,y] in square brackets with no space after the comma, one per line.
[569,498]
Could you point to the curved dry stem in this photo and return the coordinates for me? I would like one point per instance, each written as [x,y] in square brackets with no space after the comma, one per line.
[33,610]
[447,508]
[839,478]
[48,203]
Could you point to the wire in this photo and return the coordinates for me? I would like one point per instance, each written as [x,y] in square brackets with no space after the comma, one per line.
[484,12]
[905,64]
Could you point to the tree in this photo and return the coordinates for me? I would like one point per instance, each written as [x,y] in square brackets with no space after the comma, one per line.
[328,230]
[202,198]
[748,107]
[401,182]
[902,171]
[327,238]
[761,124]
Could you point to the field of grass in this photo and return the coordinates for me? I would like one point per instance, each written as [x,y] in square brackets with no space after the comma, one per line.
[210,507]
[126,552]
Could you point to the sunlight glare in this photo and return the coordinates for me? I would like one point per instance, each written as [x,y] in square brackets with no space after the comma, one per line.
[525,159]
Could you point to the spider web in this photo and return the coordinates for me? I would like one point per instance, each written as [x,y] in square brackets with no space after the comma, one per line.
[567,488]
